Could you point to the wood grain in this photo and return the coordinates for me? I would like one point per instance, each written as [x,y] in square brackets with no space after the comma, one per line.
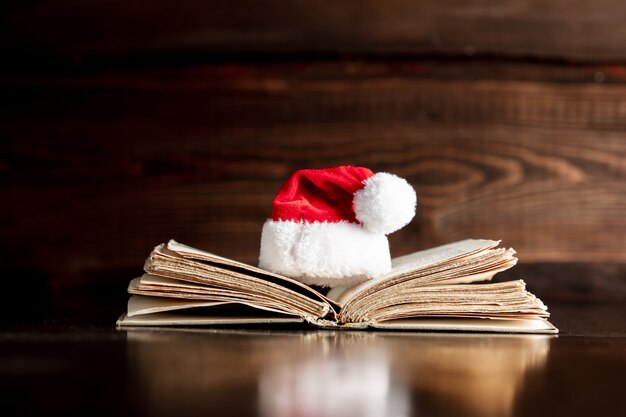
[99,169]
[563,30]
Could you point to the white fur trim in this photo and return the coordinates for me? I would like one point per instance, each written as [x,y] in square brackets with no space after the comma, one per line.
[326,254]
[385,204]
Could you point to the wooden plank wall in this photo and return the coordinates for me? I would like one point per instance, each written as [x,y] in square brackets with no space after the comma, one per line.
[126,123]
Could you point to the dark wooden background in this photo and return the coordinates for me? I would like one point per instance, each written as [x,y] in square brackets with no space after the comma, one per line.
[125,123]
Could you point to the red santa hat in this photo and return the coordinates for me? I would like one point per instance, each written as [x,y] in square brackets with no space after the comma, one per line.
[329,226]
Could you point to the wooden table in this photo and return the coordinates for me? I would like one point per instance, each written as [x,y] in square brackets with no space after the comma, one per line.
[70,365]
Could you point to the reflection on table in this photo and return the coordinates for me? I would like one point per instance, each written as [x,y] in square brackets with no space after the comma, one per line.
[326,373]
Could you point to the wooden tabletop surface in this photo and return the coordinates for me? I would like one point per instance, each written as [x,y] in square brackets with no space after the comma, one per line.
[73,365]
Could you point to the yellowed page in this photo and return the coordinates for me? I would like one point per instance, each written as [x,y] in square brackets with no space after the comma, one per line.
[469,325]
[173,319]
[215,277]
[420,261]
[139,305]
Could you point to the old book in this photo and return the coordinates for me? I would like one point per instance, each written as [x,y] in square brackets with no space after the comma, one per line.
[443,288]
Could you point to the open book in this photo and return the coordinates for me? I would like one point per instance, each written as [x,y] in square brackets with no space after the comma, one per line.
[436,289]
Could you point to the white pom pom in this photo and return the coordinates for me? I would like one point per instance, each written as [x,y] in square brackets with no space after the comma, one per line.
[385,204]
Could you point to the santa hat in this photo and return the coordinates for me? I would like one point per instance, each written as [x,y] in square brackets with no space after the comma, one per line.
[329,226]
